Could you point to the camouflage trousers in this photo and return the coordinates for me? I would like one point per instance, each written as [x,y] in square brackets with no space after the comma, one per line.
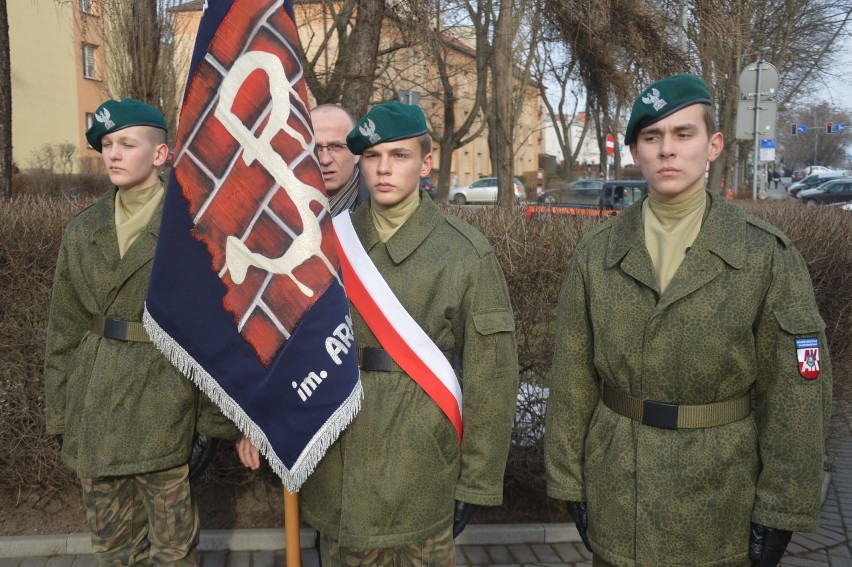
[439,551]
[145,519]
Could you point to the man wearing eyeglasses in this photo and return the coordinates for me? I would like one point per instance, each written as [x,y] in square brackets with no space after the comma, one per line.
[339,166]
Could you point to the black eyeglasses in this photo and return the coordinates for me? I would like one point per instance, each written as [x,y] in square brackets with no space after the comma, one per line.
[333,149]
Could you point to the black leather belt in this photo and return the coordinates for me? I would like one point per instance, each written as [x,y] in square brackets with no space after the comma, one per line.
[676,416]
[119,330]
[376,360]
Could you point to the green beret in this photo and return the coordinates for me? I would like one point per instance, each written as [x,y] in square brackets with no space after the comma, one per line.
[112,116]
[663,98]
[386,122]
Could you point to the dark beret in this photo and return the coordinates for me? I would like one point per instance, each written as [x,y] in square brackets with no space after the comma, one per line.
[113,115]
[662,98]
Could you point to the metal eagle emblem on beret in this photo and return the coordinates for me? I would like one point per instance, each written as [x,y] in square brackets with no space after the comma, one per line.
[368,130]
[103,118]
[653,98]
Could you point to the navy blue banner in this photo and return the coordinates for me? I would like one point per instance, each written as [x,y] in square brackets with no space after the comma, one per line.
[245,296]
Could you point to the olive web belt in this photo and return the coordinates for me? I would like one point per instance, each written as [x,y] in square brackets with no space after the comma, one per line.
[676,416]
[119,330]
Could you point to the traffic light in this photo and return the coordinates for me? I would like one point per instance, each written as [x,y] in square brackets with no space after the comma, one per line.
[829,127]
[795,129]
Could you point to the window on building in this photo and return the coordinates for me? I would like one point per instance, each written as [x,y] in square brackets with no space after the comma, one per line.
[90,119]
[90,67]
[87,6]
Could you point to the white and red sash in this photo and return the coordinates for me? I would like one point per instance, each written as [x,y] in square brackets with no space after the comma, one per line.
[397,331]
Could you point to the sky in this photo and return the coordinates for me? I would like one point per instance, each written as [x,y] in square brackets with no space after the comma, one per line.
[838,90]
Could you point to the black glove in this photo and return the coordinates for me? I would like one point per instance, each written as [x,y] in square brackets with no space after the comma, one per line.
[579,511]
[59,439]
[766,545]
[203,449]
[461,516]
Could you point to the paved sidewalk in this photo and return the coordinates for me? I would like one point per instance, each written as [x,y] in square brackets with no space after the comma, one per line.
[480,545]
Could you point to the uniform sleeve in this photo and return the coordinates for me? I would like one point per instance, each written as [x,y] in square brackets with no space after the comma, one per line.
[67,325]
[212,422]
[489,385]
[792,410]
[573,389]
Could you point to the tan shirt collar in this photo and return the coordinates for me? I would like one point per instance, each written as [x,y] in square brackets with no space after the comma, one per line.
[133,211]
[388,219]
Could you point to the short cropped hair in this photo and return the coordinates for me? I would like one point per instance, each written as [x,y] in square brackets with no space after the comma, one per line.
[425,142]
[157,136]
[710,119]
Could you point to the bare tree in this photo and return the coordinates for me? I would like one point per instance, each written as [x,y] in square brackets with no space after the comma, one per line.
[341,50]
[452,97]
[5,105]
[138,40]
[507,35]
[798,36]
[616,46]
[555,69]
[816,145]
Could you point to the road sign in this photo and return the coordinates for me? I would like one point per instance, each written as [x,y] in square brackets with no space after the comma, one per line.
[839,127]
[610,144]
[766,118]
[801,128]
[767,150]
[768,80]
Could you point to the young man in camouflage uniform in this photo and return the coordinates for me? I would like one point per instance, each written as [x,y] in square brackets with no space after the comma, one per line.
[673,315]
[124,416]
[398,484]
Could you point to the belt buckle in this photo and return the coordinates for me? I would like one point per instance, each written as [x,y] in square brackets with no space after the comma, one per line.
[115,329]
[659,414]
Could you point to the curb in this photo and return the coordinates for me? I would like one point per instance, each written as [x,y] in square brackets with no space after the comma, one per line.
[273,539]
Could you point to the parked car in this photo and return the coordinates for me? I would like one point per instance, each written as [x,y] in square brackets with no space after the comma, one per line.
[482,191]
[618,195]
[802,172]
[613,197]
[427,185]
[580,192]
[814,180]
[833,191]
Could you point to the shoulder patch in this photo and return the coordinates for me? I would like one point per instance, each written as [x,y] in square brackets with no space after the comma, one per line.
[476,238]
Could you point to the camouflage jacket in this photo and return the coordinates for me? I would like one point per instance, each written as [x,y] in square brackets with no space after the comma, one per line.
[392,476]
[726,323]
[121,407]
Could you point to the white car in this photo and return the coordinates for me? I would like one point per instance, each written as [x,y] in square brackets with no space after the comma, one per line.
[482,191]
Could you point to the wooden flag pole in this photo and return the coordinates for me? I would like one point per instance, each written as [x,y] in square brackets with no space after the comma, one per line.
[291,529]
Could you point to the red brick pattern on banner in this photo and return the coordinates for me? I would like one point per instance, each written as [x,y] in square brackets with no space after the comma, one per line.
[228,197]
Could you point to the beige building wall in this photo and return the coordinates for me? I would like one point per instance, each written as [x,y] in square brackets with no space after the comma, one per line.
[44,82]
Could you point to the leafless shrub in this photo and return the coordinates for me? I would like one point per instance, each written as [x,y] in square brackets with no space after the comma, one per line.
[534,256]
[30,230]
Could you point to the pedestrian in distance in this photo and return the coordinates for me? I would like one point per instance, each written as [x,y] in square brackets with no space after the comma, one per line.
[128,423]
[691,386]
[405,477]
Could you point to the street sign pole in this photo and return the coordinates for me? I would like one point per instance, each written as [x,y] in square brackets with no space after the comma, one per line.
[758,86]
[755,160]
